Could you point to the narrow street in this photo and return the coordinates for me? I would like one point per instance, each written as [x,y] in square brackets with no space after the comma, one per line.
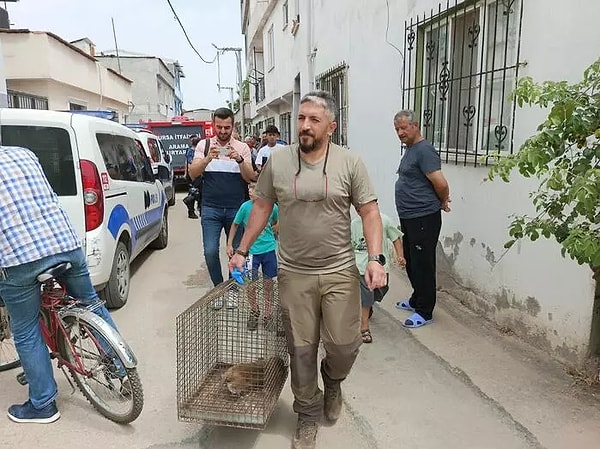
[457,384]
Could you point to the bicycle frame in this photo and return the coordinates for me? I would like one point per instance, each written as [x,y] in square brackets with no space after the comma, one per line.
[54,299]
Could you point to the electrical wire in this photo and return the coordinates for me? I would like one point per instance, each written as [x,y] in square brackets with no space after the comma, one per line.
[188,38]
[391,44]
[387,29]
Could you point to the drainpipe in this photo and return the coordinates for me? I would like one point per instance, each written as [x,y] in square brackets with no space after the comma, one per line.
[311,49]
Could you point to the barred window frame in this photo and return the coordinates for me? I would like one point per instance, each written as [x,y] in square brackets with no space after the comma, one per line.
[461,65]
[23,100]
[335,81]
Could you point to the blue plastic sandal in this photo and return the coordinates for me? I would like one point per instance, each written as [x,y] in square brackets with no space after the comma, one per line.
[416,320]
[405,305]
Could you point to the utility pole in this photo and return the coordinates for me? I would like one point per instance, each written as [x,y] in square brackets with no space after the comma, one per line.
[230,89]
[238,60]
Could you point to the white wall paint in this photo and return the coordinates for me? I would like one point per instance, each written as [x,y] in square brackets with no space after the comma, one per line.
[559,40]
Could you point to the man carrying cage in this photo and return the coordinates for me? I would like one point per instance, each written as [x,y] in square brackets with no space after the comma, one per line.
[315,183]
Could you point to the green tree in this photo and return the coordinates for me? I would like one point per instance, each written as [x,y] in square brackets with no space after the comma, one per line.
[564,154]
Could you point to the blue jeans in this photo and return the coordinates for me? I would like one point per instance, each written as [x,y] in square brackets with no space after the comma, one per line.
[214,220]
[20,291]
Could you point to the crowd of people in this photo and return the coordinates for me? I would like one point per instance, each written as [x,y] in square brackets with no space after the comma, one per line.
[295,223]
[290,207]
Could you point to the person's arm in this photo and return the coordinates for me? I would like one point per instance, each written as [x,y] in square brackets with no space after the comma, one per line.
[200,161]
[232,231]
[261,211]
[243,157]
[372,227]
[431,166]
[440,185]
[399,252]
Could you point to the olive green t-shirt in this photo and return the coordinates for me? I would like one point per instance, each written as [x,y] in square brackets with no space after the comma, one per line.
[314,206]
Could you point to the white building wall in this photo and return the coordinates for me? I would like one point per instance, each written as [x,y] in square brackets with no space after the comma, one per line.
[532,290]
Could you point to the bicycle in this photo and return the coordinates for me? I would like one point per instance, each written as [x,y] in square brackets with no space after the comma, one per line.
[111,383]
[9,358]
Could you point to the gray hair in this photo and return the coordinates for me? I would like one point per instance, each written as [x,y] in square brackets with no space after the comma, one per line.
[408,114]
[324,99]
[248,138]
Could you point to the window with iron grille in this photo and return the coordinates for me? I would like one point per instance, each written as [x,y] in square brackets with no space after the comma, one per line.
[460,67]
[20,100]
[285,127]
[335,82]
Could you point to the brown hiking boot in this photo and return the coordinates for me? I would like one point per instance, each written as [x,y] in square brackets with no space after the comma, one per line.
[306,435]
[332,406]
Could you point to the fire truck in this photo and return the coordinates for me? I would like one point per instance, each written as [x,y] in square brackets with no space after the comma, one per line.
[175,138]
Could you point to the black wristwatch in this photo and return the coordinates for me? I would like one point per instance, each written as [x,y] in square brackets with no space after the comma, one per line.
[241,253]
[379,258]
[240,160]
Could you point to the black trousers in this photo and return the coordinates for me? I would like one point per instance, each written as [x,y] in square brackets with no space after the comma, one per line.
[194,194]
[419,242]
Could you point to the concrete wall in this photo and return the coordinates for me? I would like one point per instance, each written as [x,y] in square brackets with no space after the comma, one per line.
[532,290]
[152,89]
[60,73]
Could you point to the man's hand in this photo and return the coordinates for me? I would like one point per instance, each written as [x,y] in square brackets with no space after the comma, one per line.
[401,261]
[237,261]
[233,154]
[446,205]
[375,276]
[213,152]
[229,251]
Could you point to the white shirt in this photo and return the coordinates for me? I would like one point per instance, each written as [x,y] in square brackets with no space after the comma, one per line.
[265,152]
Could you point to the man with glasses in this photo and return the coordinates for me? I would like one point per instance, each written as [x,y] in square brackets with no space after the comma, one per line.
[315,183]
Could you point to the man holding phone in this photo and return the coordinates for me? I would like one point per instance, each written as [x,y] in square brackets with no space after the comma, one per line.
[226,166]
[272,134]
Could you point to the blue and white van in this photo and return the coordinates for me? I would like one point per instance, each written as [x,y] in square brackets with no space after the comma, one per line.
[105,183]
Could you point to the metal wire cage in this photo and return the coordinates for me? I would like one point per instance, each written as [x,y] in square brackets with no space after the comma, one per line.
[232,359]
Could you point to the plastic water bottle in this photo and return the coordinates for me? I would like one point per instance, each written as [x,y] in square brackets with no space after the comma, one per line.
[238,276]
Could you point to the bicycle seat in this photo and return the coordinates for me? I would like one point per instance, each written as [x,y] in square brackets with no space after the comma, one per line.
[54,272]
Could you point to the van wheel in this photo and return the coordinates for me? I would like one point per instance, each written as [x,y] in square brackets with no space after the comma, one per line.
[116,292]
[172,199]
[162,240]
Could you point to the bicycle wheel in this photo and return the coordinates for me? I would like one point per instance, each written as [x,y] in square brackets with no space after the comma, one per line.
[9,358]
[113,390]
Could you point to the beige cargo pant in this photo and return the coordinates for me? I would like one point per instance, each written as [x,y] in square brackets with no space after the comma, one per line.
[315,307]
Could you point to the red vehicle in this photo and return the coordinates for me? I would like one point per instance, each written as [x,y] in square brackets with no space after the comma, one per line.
[175,138]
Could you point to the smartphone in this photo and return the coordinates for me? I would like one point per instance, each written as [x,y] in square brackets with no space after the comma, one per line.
[264,160]
[223,151]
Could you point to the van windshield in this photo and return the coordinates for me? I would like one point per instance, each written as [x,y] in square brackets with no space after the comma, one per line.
[52,146]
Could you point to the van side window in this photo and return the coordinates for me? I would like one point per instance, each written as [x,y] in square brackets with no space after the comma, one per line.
[52,146]
[124,158]
[154,150]
[109,154]
[143,163]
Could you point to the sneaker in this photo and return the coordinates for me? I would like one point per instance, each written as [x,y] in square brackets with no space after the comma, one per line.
[26,413]
[306,435]
[332,398]
[192,215]
[253,321]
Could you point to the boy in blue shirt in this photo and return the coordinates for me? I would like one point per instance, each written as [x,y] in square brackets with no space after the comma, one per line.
[264,256]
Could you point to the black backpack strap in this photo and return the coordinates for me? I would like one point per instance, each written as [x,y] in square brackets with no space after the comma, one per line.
[206,147]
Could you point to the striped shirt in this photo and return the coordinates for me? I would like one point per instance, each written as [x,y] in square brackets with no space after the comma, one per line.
[223,185]
[32,223]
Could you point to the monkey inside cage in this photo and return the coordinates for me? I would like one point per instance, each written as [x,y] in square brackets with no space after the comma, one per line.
[232,359]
